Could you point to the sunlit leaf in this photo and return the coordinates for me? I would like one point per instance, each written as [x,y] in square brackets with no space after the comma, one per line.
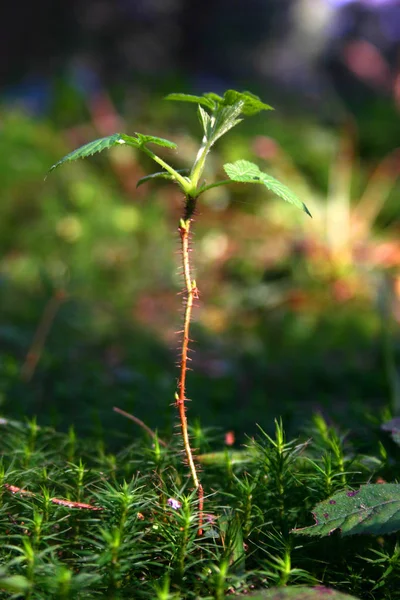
[224,120]
[203,100]
[141,140]
[251,104]
[373,509]
[92,148]
[205,119]
[110,141]
[244,171]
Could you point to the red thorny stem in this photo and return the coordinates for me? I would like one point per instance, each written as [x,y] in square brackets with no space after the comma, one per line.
[180,396]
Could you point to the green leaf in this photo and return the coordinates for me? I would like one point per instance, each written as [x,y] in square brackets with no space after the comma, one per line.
[113,140]
[160,175]
[251,104]
[218,123]
[204,118]
[141,140]
[202,100]
[224,113]
[297,593]
[373,509]
[244,171]
[92,148]
[223,121]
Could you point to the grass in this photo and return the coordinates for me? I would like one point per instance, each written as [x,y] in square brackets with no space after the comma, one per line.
[78,522]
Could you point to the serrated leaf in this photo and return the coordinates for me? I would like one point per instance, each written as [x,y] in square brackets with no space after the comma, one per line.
[224,112]
[205,120]
[214,97]
[218,124]
[244,171]
[92,148]
[110,141]
[224,120]
[297,593]
[251,103]
[373,509]
[203,100]
[142,139]
[160,175]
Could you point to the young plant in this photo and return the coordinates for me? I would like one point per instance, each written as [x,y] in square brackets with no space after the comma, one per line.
[217,115]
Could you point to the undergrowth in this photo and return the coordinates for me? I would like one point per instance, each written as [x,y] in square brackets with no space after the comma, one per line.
[77,522]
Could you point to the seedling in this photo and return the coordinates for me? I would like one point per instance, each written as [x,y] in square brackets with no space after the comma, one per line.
[217,115]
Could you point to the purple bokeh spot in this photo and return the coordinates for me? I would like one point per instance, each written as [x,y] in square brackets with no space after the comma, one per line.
[340,3]
[175,504]
[351,494]
[332,501]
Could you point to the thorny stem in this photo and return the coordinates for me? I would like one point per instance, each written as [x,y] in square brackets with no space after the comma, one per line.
[180,396]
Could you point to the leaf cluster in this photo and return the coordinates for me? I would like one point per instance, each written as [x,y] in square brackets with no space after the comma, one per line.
[217,115]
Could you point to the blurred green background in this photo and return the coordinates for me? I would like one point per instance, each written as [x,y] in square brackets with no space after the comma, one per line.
[295,315]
